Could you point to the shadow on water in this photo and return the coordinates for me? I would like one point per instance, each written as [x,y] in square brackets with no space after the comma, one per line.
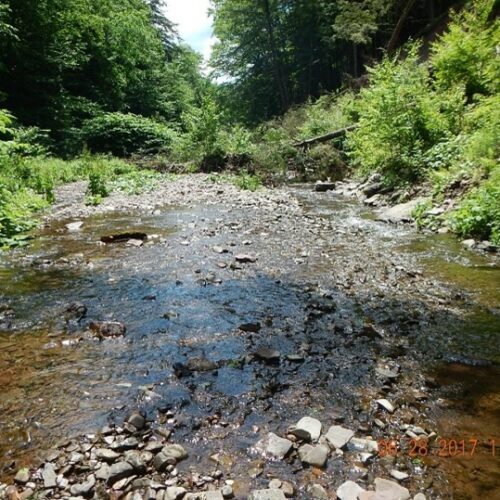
[174,312]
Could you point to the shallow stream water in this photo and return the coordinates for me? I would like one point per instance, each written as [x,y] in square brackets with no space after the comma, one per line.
[179,299]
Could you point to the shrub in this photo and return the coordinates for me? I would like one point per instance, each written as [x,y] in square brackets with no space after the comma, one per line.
[479,213]
[125,134]
[248,182]
[467,53]
[401,118]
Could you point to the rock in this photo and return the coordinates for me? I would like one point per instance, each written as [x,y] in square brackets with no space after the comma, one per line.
[266,495]
[22,476]
[220,250]
[317,492]
[126,444]
[374,200]
[227,491]
[49,476]
[74,226]
[11,493]
[443,230]
[278,447]
[137,460]
[169,455]
[106,454]
[419,496]
[372,189]
[75,311]
[362,445]
[387,405]
[295,358]
[288,489]
[102,473]
[349,491]
[245,258]
[137,420]
[134,243]
[386,373]
[174,493]
[391,490]
[323,187]
[124,237]
[469,243]
[213,495]
[338,436]
[399,475]
[119,471]
[307,428]
[83,489]
[314,455]
[250,327]
[399,213]
[201,364]
[267,355]
[108,328]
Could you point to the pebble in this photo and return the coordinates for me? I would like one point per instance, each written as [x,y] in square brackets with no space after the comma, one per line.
[314,455]
[349,491]
[391,490]
[400,476]
[387,405]
[137,420]
[49,476]
[266,495]
[22,476]
[227,491]
[339,436]
[317,492]
[83,489]
[278,447]
[307,428]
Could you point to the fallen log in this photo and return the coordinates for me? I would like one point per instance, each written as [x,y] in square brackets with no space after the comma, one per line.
[324,138]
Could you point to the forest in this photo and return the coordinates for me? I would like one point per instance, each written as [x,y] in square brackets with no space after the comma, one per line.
[106,89]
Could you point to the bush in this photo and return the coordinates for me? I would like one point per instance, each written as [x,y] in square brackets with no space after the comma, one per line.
[125,134]
[467,53]
[401,117]
[479,214]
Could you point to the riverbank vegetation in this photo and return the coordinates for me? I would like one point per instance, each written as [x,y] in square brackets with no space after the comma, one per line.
[86,95]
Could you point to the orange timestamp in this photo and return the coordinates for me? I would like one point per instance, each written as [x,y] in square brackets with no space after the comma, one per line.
[444,448]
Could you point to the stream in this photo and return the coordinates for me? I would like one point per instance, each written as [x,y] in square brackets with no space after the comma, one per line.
[335,293]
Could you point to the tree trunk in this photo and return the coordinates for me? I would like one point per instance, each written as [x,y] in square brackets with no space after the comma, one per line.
[399,26]
[276,58]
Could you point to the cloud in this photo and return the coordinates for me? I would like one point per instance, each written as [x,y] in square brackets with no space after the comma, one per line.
[193,23]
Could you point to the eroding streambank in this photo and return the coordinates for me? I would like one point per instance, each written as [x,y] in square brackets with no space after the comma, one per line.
[244,312]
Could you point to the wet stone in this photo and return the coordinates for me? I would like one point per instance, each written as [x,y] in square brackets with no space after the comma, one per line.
[137,420]
[119,471]
[314,455]
[391,490]
[349,491]
[267,495]
[278,447]
[85,488]
[338,436]
[108,328]
[307,428]
[22,476]
[49,476]
[317,492]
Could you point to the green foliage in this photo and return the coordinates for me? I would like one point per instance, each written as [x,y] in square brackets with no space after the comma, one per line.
[467,53]
[478,215]
[126,134]
[401,117]
[248,182]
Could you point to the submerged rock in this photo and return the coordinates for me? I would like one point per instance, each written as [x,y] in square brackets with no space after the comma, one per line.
[108,328]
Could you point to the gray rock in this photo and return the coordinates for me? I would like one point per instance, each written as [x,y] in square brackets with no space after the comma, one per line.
[106,455]
[349,491]
[362,445]
[103,472]
[317,492]
[119,471]
[137,420]
[469,243]
[201,364]
[49,476]
[399,213]
[307,428]
[227,491]
[250,327]
[339,436]
[74,226]
[387,405]
[266,354]
[214,495]
[136,460]
[419,496]
[83,489]
[108,328]
[372,189]
[399,475]
[22,476]
[174,493]
[266,495]
[391,490]
[278,447]
[314,455]
[126,444]
[169,455]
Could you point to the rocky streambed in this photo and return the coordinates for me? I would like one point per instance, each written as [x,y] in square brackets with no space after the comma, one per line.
[204,342]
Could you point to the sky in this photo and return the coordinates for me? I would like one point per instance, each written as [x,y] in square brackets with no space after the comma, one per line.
[193,24]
